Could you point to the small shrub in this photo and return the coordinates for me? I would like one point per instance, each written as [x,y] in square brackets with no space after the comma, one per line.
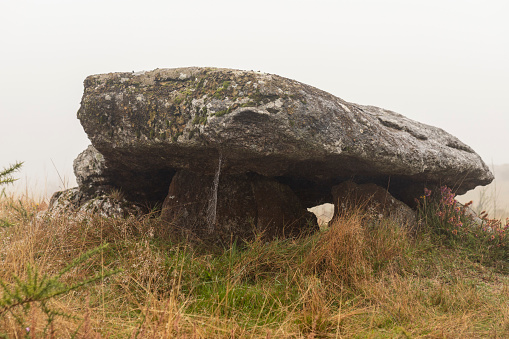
[444,217]
[6,178]
[441,214]
[17,298]
[6,173]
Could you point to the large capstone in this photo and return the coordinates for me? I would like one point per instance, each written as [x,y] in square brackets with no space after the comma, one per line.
[145,127]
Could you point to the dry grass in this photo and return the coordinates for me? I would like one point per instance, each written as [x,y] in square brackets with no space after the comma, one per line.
[361,278]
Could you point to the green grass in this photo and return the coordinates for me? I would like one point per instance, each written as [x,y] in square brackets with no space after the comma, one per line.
[360,278]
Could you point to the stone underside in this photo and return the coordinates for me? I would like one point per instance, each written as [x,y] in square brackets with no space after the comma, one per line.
[283,146]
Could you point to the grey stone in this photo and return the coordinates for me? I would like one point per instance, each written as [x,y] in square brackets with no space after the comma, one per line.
[77,205]
[374,200]
[89,169]
[155,122]
[146,127]
[66,201]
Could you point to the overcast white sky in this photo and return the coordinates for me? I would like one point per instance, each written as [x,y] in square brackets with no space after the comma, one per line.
[441,62]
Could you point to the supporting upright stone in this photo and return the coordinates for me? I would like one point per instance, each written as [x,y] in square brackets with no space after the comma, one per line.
[371,199]
[247,205]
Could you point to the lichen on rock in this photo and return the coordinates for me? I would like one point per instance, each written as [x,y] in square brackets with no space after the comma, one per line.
[73,203]
[148,127]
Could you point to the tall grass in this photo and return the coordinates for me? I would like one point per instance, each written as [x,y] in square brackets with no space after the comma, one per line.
[361,277]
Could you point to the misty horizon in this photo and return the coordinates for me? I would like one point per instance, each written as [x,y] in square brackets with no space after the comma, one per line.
[442,64]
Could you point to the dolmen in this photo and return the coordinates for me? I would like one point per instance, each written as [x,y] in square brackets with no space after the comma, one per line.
[230,154]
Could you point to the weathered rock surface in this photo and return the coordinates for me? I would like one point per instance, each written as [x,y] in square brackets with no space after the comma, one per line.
[374,200]
[152,123]
[246,205]
[89,169]
[283,146]
[74,203]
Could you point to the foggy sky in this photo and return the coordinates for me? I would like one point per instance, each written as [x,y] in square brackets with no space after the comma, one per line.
[443,63]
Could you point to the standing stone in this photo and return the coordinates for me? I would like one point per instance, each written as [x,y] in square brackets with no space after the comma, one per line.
[247,205]
[371,199]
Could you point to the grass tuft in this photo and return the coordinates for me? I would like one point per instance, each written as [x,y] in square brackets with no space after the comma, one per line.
[360,277]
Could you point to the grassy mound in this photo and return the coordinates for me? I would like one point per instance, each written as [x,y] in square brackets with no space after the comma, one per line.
[361,277]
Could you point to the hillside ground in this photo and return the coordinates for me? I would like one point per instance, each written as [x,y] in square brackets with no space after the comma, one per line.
[361,277]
